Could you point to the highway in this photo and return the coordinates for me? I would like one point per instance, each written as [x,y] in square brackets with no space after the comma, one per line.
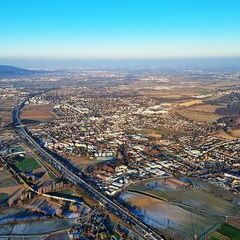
[75,176]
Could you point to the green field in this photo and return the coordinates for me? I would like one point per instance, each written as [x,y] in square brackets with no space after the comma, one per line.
[230,231]
[6,180]
[26,164]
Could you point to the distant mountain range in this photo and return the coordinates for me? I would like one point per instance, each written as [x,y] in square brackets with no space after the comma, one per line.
[7,71]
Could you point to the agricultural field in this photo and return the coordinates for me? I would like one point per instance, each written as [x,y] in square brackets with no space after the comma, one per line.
[8,185]
[36,227]
[63,235]
[38,113]
[207,108]
[234,222]
[198,116]
[226,232]
[196,199]
[230,231]
[190,103]
[218,236]
[6,180]
[6,110]
[175,204]
[197,110]
[5,117]
[225,135]
[170,92]
[235,133]
[164,215]
[5,213]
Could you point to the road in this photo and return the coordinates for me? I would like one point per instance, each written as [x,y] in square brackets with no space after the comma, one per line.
[74,176]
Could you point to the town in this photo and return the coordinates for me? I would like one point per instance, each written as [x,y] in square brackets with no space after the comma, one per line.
[122,140]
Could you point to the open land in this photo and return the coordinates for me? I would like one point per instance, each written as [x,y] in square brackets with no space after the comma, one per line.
[8,185]
[198,116]
[198,199]
[164,215]
[38,112]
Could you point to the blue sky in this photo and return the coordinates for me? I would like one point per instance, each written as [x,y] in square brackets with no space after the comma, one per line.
[75,29]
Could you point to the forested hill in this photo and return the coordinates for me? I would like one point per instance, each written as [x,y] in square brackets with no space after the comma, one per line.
[7,71]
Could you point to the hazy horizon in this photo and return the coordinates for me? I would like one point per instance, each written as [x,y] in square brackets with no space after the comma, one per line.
[223,64]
